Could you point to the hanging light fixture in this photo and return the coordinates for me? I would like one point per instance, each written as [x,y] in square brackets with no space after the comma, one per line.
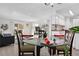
[51,4]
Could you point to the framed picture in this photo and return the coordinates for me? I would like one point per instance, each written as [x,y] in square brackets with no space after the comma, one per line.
[4,26]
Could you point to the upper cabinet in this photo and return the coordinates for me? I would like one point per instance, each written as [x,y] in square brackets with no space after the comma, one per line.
[57,27]
[54,27]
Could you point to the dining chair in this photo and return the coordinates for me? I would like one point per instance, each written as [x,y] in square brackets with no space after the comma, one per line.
[68,38]
[24,48]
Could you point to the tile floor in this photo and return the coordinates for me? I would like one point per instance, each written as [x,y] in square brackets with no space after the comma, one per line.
[12,51]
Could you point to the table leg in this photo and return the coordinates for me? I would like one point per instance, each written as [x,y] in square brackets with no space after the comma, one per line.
[35,50]
[49,51]
[54,50]
[38,50]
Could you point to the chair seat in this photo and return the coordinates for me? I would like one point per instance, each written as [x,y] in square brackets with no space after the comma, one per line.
[27,48]
[61,47]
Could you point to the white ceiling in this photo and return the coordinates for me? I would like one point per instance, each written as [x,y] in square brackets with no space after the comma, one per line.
[35,11]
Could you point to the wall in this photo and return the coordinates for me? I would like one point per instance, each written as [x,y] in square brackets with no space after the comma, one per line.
[28,27]
[76,40]
[70,23]
[10,25]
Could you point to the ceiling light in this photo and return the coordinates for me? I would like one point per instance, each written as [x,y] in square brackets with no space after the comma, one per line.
[71,13]
[36,25]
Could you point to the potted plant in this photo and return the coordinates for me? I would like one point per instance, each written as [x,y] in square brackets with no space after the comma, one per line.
[75,29]
[76,37]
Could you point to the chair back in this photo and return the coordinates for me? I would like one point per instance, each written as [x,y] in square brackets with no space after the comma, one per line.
[69,37]
[20,34]
[44,35]
[19,40]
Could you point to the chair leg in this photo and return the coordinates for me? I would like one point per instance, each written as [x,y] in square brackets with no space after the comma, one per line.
[57,52]
[64,53]
[22,53]
[49,50]
[33,53]
[70,53]
[19,54]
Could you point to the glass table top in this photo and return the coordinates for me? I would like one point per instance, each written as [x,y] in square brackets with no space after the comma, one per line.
[41,42]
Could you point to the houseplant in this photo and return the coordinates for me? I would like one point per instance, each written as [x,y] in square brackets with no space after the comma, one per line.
[76,37]
[75,29]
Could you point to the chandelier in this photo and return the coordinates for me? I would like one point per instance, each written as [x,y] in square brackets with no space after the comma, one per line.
[51,4]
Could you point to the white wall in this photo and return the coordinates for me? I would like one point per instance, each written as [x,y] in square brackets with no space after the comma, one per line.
[75,22]
[70,23]
[67,23]
[10,25]
[76,38]
[26,29]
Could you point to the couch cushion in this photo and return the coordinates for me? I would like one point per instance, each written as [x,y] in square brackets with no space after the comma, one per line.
[1,36]
[6,35]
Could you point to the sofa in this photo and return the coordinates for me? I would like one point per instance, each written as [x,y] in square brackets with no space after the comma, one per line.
[6,40]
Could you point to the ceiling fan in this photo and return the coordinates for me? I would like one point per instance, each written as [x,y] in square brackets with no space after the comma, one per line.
[51,4]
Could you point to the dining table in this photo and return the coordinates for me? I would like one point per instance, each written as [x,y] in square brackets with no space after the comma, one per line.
[40,42]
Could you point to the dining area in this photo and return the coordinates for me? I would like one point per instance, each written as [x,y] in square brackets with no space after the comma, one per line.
[56,46]
[40,29]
